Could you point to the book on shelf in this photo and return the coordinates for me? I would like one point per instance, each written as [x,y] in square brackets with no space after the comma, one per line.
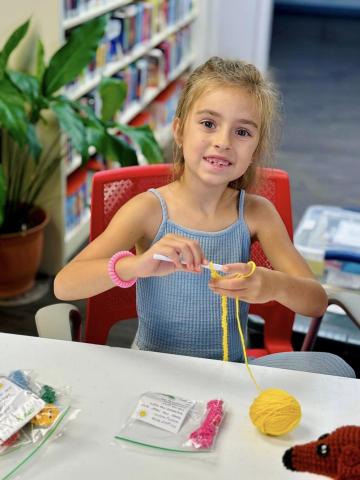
[133,25]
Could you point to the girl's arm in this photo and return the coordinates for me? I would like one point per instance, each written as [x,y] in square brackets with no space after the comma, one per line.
[291,283]
[136,223]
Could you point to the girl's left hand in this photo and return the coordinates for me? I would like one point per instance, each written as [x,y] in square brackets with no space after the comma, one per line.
[256,288]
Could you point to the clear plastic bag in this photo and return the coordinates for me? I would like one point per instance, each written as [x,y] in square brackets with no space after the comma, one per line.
[30,414]
[173,424]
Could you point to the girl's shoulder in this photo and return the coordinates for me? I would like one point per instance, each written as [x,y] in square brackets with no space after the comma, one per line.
[259,213]
[142,210]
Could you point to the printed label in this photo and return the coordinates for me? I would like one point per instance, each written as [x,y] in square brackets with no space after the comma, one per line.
[17,407]
[163,411]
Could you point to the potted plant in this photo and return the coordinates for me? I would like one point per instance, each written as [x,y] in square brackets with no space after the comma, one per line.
[30,153]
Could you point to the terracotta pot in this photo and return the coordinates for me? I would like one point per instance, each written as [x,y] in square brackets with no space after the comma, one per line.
[20,255]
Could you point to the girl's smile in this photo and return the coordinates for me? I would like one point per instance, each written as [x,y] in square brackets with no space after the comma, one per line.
[217,161]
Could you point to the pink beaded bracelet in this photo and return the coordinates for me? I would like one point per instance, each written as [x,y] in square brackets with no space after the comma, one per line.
[112,272]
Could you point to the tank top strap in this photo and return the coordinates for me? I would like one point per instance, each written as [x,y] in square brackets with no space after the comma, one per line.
[241,204]
[162,203]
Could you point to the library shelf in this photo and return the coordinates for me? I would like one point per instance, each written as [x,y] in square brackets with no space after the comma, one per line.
[90,83]
[77,236]
[93,12]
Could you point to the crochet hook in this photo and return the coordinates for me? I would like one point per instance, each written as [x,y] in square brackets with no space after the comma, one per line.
[216,266]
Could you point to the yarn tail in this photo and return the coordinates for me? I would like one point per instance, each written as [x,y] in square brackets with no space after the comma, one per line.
[224,316]
[237,305]
[224,325]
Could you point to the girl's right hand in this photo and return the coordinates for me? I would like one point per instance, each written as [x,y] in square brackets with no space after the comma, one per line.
[177,248]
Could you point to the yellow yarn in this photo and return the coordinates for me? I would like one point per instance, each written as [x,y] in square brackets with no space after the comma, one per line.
[274,411]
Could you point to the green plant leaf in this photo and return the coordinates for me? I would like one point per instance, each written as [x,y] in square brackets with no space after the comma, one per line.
[71,123]
[2,194]
[32,141]
[144,138]
[11,43]
[69,61]
[12,111]
[113,92]
[117,150]
[95,135]
[27,84]
[40,61]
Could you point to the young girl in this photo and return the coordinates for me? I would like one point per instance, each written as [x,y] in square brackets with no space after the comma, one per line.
[224,128]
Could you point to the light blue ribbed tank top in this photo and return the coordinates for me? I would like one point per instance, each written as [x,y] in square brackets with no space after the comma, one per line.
[178,313]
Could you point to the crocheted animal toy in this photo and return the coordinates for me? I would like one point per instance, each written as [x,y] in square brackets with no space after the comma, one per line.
[336,455]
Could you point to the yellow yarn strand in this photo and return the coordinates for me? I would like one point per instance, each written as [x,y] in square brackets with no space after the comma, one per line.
[224,317]
[237,305]
[274,411]
[224,326]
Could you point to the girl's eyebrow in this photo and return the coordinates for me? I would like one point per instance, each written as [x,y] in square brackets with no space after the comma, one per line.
[239,120]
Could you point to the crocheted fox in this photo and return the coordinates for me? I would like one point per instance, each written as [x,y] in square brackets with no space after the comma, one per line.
[336,455]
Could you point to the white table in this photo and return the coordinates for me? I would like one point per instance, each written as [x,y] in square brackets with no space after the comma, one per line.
[106,383]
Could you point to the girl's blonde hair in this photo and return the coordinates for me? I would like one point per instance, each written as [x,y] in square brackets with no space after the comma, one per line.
[217,72]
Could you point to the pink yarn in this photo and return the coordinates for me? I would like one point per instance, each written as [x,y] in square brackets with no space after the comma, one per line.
[204,436]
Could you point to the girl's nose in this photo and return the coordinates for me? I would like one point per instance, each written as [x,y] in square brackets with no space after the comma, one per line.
[222,146]
[222,141]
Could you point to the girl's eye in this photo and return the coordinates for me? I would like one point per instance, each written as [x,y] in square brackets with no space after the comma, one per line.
[208,123]
[243,133]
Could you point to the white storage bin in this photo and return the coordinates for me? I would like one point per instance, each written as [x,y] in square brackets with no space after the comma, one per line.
[333,232]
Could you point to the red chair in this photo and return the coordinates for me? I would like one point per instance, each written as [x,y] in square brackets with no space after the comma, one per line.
[112,188]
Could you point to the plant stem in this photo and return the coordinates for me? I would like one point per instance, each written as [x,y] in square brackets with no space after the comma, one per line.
[39,175]
[46,175]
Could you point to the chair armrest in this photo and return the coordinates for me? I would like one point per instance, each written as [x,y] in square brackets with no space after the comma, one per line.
[349,301]
[345,299]
[61,321]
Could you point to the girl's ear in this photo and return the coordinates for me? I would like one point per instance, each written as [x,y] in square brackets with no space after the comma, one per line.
[176,131]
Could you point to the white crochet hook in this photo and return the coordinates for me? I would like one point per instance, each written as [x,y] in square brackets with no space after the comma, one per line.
[216,266]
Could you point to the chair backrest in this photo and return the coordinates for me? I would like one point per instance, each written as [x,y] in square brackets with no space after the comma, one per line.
[112,188]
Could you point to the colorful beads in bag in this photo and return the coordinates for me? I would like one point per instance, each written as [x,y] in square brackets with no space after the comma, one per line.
[48,394]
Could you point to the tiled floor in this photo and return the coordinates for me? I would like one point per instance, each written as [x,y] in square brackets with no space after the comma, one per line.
[316,63]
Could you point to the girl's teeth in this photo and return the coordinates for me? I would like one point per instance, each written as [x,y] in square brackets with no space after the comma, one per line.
[218,162]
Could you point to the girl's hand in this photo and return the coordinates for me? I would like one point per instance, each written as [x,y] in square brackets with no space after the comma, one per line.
[256,288]
[175,247]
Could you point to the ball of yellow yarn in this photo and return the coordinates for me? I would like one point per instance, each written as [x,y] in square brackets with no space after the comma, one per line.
[275,412]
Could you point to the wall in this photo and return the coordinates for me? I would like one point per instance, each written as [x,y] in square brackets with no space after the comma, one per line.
[235,29]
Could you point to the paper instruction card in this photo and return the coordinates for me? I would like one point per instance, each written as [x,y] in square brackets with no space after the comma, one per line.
[163,411]
[17,407]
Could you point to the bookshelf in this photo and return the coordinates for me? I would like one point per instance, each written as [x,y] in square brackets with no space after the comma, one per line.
[51,22]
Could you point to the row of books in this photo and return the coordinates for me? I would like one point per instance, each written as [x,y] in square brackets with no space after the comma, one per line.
[78,193]
[161,111]
[150,71]
[77,198]
[125,32]
[155,68]
[163,12]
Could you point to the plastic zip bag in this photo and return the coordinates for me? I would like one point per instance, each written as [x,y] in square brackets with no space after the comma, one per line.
[173,424]
[30,415]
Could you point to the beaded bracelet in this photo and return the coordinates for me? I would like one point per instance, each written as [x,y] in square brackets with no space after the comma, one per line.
[112,272]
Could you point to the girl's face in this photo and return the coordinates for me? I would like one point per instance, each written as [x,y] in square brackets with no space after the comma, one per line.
[220,135]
